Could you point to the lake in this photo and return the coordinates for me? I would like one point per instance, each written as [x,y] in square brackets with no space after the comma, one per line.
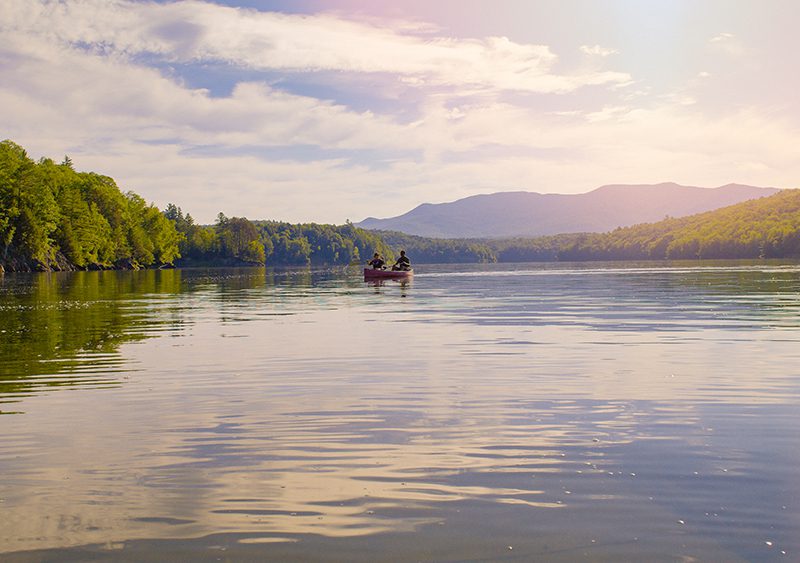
[555,412]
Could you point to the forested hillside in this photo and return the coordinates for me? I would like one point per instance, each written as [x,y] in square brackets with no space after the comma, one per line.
[313,243]
[237,240]
[52,217]
[763,228]
[438,250]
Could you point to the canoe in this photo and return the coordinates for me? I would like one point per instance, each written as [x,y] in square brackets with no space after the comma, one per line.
[370,274]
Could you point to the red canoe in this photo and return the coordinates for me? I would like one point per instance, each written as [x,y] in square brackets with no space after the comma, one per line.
[370,274]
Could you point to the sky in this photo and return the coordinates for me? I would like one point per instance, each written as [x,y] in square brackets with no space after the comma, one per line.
[339,110]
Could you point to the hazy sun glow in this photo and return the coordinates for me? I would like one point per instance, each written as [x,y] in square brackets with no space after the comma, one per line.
[324,111]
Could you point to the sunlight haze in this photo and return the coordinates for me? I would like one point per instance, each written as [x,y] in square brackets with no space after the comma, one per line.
[328,111]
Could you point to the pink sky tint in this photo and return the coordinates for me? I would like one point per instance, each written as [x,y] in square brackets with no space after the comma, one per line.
[326,111]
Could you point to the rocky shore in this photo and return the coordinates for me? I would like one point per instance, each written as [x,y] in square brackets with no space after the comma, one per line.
[60,263]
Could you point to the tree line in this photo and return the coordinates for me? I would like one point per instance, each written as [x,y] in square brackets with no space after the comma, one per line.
[237,240]
[54,218]
[466,251]
[768,227]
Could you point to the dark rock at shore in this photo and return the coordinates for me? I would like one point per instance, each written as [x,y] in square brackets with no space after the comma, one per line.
[60,263]
[126,264]
[16,264]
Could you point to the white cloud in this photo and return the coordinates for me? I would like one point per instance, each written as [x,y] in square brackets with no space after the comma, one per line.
[107,97]
[189,31]
[728,43]
[75,79]
[560,153]
[721,38]
[598,51]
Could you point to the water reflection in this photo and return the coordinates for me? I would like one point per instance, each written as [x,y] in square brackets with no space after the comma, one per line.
[619,298]
[388,287]
[650,410]
[66,329]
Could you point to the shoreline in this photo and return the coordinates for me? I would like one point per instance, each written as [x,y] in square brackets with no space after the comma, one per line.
[19,266]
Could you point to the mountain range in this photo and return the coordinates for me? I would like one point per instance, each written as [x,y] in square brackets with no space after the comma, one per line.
[530,214]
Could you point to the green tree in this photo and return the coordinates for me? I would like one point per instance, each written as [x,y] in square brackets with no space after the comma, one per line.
[14,166]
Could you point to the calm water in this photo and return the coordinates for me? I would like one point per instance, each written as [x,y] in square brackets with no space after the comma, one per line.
[516,412]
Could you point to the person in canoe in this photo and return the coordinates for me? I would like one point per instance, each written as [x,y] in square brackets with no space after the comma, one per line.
[403,263]
[377,262]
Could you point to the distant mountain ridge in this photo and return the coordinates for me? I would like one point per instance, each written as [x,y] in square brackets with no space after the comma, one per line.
[531,214]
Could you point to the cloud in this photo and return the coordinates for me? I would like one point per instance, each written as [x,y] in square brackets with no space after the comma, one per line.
[109,97]
[728,43]
[191,31]
[101,81]
[597,50]
[721,38]
[546,153]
